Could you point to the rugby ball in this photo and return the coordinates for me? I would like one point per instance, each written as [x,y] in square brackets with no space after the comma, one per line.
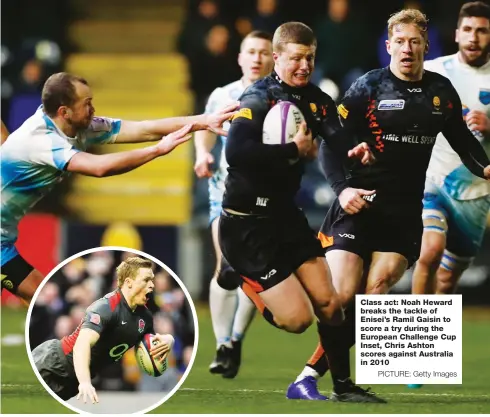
[281,123]
[145,361]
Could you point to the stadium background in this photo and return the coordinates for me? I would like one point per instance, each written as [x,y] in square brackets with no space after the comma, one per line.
[161,58]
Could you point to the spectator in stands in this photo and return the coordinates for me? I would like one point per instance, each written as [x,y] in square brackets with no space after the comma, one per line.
[342,38]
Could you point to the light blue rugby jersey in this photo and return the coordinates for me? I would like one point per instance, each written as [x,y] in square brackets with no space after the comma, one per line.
[218,99]
[33,160]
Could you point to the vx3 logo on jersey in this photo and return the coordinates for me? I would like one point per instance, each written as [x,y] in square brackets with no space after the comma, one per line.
[269,274]
[414,90]
[347,235]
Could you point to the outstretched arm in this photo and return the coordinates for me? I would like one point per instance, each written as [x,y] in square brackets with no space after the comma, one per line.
[81,361]
[152,130]
[121,162]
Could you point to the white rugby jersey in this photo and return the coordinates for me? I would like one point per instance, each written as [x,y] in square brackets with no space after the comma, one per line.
[218,99]
[445,168]
[33,160]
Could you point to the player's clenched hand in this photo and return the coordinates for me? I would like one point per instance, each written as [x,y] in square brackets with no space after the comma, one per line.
[351,199]
[174,139]
[303,139]
[203,161]
[87,391]
[477,120]
[160,351]
[486,172]
[214,121]
[363,153]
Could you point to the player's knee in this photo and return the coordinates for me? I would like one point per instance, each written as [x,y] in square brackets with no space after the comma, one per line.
[330,310]
[297,323]
[431,255]
[346,296]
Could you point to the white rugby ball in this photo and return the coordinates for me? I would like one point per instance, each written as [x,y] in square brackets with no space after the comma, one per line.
[281,123]
[145,361]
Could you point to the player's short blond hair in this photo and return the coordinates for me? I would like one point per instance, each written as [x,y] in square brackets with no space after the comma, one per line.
[292,32]
[130,267]
[409,16]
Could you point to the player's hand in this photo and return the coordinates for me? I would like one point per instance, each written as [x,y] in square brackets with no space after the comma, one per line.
[363,153]
[477,120]
[214,122]
[201,167]
[87,391]
[174,139]
[313,152]
[351,199]
[161,350]
[486,172]
[303,140]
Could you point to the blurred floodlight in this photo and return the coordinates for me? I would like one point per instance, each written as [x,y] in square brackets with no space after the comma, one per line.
[48,52]
[329,87]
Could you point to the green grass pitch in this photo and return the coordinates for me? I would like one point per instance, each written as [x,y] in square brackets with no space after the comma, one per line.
[271,361]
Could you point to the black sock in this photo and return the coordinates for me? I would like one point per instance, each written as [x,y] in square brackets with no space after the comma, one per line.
[336,349]
[318,361]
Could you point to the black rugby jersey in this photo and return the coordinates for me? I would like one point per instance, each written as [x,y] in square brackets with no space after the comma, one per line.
[261,179]
[400,121]
[118,326]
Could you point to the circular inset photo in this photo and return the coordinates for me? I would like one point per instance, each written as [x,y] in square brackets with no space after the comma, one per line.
[111,331]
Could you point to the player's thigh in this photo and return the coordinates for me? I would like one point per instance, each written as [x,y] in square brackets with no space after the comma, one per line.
[27,288]
[346,269]
[385,270]
[289,304]
[316,279]
[467,225]
[20,278]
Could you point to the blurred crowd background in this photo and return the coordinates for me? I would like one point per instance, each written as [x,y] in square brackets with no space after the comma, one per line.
[61,305]
[161,58]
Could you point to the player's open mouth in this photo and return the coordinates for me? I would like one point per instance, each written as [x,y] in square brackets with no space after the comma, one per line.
[302,75]
[148,295]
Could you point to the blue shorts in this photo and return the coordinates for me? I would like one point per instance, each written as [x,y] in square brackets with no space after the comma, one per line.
[466,219]
[214,210]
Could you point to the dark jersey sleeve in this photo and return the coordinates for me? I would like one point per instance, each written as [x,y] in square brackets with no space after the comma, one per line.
[97,316]
[244,145]
[340,135]
[463,142]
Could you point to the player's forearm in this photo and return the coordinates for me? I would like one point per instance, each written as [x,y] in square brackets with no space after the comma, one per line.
[333,169]
[155,129]
[469,149]
[204,141]
[111,164]
[121,162]
[81,361]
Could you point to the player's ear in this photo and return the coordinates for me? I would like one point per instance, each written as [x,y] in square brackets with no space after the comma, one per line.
[388,46]
[456,36]
[426,50]
[275,56]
